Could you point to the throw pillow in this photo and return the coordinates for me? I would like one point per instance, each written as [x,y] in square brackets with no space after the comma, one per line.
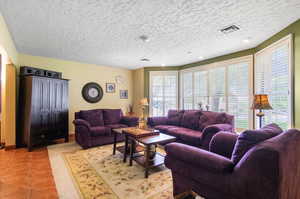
[250,138]
[112,116]
[209,118]
[174,117]
[190,119]
[94,117]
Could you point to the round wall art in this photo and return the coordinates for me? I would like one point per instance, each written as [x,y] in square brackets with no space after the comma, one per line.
[92,92]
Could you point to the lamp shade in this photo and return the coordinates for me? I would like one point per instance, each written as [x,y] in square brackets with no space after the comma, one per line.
[261,102]
[144,102]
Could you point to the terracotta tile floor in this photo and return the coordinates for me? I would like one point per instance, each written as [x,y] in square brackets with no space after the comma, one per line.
[26,175]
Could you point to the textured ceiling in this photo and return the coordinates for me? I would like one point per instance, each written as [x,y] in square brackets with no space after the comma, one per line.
[106,32]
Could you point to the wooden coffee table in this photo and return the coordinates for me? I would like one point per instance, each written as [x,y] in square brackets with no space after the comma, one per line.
[143,159]
[125,150]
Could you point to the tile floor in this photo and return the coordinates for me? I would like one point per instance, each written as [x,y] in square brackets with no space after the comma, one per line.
[26,175]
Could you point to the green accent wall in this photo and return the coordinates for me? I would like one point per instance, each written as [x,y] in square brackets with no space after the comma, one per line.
[221,58]
[293,29]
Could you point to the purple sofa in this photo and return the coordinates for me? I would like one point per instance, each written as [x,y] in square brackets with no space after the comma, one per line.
[93,127]
[193,127]
[268,169]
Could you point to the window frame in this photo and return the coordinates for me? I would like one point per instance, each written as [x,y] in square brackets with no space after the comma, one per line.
[291,101]
[164,73]
[225,64]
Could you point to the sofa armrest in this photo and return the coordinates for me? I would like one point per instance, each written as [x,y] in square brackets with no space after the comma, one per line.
[223,143]
[211,130]
[81,122]
[154,121]
[130,121]
[199,158]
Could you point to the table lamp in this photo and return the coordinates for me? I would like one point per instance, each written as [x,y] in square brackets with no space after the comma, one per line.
[143,103]
[261,102]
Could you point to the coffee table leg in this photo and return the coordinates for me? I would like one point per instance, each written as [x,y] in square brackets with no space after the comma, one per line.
[132,148]
[147,161]
[115,143]
[125,150]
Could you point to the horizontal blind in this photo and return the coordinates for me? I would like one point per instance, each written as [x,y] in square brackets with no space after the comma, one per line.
[200,89]
[217,89]
[238,93]
[163,92]
[188,91]
[272,77]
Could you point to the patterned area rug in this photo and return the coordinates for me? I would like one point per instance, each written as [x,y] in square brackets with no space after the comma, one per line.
[99,174]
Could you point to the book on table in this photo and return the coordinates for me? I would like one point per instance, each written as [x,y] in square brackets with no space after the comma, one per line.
[138,132]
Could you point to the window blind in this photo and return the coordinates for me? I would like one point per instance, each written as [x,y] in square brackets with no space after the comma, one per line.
[238,93]
[272,77]
[188,91]
[224,87]
[163,92]
[217,89]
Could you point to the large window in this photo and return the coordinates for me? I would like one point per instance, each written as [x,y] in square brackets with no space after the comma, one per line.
[273,77]
[222,87]
[163,92]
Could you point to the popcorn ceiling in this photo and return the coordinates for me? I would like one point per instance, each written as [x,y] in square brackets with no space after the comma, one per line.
[106,32]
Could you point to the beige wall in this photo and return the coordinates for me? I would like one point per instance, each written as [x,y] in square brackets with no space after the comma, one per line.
[80,74]
[138,79]
[9,55]
[6,42]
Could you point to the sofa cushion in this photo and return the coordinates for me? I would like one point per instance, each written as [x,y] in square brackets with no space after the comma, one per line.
[176,131]
[164,128]
[250,138]
[94,117]
[174,117]
[209,118]
[188,136]
[116,126]
[190,119]
[112,116]
[100,131]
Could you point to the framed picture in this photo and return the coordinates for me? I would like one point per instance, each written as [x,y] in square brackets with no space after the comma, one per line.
[110,87]
[123,94]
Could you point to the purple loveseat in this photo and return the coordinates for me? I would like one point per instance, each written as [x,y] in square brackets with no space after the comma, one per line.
[93,127]
[193,127]
[268,170]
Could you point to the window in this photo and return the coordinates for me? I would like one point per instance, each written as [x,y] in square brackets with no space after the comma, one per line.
[217,89]
[222,87]
[200,88]
[188,91]
[273,77]
[239,92]
[163,92]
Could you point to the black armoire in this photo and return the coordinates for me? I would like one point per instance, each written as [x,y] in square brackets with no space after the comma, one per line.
[43,110]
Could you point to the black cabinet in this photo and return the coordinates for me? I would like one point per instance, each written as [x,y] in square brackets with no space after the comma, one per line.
[43,110]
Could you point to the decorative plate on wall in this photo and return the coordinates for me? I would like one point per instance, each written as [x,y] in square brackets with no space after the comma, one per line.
[92,92]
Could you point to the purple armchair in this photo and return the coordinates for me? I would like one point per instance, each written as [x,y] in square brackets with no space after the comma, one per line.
[93,127]
[193,127]
[268,170]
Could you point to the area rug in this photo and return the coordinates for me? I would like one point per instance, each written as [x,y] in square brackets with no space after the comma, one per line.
[97,174]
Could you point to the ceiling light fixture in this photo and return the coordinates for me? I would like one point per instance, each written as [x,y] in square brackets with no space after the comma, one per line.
[246,40]
[145,59]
